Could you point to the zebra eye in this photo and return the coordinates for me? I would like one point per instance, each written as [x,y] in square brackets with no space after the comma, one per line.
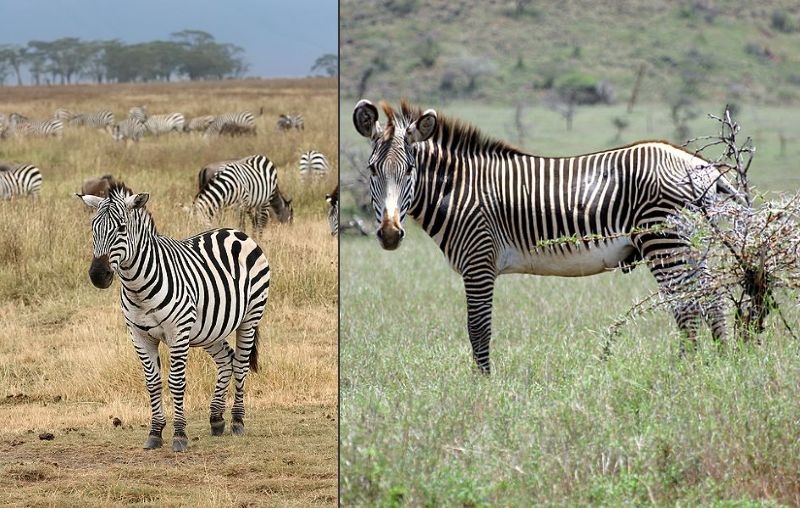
[372,170]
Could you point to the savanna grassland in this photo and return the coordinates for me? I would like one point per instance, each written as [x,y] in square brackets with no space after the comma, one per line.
[66,364]
[555,424]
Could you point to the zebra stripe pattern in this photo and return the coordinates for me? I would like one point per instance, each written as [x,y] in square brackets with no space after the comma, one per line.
[333,211]
[493,209]
[130,128]
[313,163]
[233,124]
[161,124]
[20,180]
[199,124]
[289,122]
[185,293]
[37,128]
[138,113]
[97,120]
[251,185]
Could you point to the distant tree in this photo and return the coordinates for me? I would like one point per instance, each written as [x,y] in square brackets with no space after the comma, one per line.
[327,64]
[15,56]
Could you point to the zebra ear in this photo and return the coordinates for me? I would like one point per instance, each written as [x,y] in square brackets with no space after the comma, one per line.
[91,201]
[365,118]
[422,128]
[137,200]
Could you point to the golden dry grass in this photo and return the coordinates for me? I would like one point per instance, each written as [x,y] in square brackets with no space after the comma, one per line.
[66,364]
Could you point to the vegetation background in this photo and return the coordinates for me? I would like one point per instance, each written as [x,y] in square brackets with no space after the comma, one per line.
[66,364]
[555,425]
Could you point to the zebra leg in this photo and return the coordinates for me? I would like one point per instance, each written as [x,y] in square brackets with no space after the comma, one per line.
[479,287]
[223,356]
[245,356]
[177,386]
[147,349]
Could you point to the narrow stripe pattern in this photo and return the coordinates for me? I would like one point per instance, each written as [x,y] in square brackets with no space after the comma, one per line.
[493,209]
[289,122]
[128,129]
[313,163]
[24,126]
[162,124]
[21,180]
[184,293]
[233,124]
[333,211]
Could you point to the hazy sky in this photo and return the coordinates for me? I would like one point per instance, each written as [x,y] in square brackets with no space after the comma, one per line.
[280,38]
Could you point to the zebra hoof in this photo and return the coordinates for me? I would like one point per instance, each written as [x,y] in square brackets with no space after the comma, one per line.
[217,427]
[153,442]
[180,443]
[237,428]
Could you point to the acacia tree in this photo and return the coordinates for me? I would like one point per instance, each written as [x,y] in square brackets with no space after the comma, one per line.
[15,56]
[328,64]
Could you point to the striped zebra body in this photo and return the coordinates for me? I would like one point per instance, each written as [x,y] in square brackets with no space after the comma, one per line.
[64,115]
[20,180]
[313,163]
[289,122]
[185,293]
[128,129]
[138,113]
[233,124]
[251,185]
[333,211]
[24,126]
[97,120]
[199,123]
[493,209]
[161,124]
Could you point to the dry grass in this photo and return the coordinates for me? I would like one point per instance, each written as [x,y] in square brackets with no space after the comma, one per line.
[66,364]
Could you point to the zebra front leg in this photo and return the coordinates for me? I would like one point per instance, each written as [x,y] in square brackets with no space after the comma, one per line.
[177,386]
[223,356]
[147,349]
[479,289]
[245,358]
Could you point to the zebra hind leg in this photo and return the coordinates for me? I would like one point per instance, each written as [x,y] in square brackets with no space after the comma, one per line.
[244,359]
[223,357]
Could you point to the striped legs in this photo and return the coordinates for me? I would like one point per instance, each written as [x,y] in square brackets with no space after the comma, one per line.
[223,356]
[246,342]
[147,349]
[479,287]
[177,386]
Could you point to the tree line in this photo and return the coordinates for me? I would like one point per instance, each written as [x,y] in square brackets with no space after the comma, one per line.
[192,54]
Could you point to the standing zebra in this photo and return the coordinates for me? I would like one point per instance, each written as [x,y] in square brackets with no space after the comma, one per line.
[185,293]
[97,120]
[242,122]
[289,122]
[130,128]
[333,211]
[313,163]
[161,124]
[493,209]
[138,113]
[38,128]
[20,180]
[251,184]
[198,123]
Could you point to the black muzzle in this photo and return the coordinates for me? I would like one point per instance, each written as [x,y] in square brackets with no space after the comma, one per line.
[100,272]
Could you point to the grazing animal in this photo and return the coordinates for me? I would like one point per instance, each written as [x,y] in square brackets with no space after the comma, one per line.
[138,113]
[208,171]
[161,124]
[20,180]
[313,163]
[64,115]
[98,186]
[38,128]
[333,211]
[128,129]
[198,124]
[233,124]
[97,120]
[185,293]
[289,122]
[251,184]
[494,209]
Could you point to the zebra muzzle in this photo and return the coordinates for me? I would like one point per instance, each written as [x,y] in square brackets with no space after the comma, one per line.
[390,235]
[100,272]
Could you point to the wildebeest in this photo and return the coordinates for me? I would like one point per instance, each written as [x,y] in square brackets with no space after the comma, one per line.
[208,171]
[98,186]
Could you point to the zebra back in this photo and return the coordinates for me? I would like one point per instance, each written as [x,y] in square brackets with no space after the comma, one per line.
[313,163]
[22,180]
[242,122]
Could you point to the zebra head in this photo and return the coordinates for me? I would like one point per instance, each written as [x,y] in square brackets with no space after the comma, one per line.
[281,207]
[392,164]
[110,239]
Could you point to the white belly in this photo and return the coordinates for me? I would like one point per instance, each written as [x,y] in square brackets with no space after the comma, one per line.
[579,261]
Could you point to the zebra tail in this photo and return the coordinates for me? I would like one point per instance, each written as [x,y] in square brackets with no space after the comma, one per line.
[254,353]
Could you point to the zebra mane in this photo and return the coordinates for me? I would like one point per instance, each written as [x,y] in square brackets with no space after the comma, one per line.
[467,134]
[119,189]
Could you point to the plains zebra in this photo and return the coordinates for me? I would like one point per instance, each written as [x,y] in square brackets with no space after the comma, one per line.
[313,163]
[20,180]
[138,113]
[493,209]
[64,115]
[96,120]
[251,184]
[208,172]
[289,122]
[38,128]
[233,124]
[130,128]
[333,211]
[185,293]
[198,123]
[161,124]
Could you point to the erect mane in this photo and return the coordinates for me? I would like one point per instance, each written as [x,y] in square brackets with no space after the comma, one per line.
[119,189]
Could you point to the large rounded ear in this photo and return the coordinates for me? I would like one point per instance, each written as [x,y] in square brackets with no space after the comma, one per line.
[137,200]
[422,128]
[91,201]
[365,119]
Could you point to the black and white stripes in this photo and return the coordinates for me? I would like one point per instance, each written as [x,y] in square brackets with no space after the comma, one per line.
[313,163]
[289,122]
[20,180]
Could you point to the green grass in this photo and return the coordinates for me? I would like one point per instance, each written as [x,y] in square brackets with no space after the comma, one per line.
[555,424]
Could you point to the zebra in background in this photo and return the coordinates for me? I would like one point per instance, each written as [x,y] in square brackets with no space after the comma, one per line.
[494,209]
[313,163]
[138,113]
[64,115]
[20,180]
[212,284]
[198,124]
[161,124]
[97,120]
[333,211]
[233,124]
[22,125]
[128,129]
[289,122]
[251,184]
